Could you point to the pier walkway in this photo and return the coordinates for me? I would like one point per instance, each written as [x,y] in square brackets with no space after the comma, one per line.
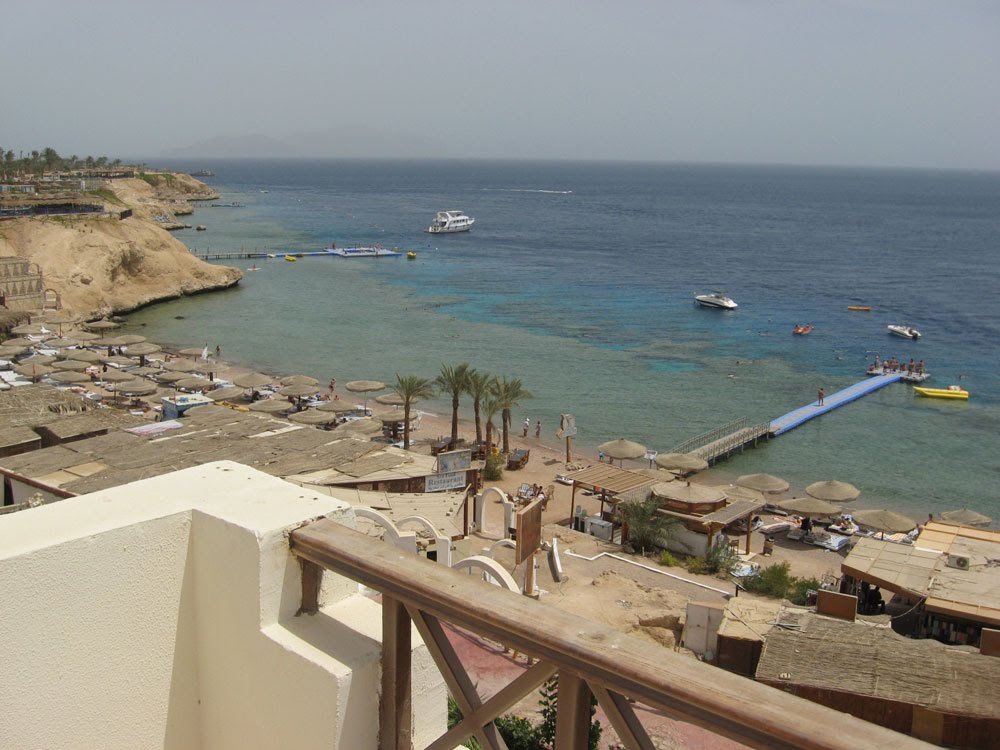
[793,419]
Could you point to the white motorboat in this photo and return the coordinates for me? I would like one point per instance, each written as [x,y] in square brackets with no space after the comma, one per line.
[907,332]
[446,222]
[716,299]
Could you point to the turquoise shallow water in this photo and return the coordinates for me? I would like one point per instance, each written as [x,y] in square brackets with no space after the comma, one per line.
[584,291]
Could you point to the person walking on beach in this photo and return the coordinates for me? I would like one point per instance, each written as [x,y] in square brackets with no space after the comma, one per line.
[538,429]
[527,426]
[333,386]
[820,396]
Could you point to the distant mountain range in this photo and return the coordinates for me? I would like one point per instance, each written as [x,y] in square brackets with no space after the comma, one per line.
[340,142]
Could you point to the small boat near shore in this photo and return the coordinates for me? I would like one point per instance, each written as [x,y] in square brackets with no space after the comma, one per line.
[717,300]
[802,330]
[447,222]
[907,332]
[411,255]
[291,258]
[859,308]
[952,391]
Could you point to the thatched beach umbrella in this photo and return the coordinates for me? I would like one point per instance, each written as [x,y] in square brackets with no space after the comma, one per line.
[21,341]
[361,427]
[762,482]
[273,406]
[392,399]
[165,376]
[29,329]
[810,506]
[7,352]
[68,376]
[101,325]
[834,491]
[735,492]
[365,387]
[681,463]
[70,364]
[253,380]
[115,376]
[687,493]
[622,449]
[225,393]
[313,417]
[83,355]
[180,365]
[38,359]
[85,336]
[337,407]
[135,387]
[300,390]
[128,339]
[33,372]
[194,351]
[192,384]
[299,380]
[61,343]
[886,521]
[143,348]
[146,372]
[659,474]
[966,517]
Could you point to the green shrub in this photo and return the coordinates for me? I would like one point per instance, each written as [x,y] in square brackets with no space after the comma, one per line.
[647,528]
[696,565]
[669,559]
[518,733]
[721,558]
[771,581]
[799,590]
[494,467]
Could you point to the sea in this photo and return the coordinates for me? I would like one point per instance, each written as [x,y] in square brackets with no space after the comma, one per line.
[579,277]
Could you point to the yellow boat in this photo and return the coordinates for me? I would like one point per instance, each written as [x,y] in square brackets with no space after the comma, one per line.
[859,308]
[291,258]
[411,255]
[952,391]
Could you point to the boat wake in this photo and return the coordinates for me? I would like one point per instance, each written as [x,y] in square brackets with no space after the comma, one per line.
[528,190]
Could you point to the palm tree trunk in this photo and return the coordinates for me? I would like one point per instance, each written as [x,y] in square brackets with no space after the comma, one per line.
[479,424]
[489,437]
[406,426]
[506,430]
[454,421]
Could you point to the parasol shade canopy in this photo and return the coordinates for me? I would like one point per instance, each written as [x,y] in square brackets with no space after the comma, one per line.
[762,482]
[834,491]
[966,517]
[681,462]
[886,521]
[622,449]
[812,507]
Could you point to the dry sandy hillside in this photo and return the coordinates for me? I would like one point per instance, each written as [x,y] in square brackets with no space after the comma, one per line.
[104,265]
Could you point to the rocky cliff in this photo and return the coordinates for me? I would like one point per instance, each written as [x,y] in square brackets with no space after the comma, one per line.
[103,265]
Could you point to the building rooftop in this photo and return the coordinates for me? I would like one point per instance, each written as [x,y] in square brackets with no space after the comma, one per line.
[921,570]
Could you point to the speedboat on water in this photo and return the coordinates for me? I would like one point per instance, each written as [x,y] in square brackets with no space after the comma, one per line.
[802,330]
[907,332]
[716,299]
[446,222]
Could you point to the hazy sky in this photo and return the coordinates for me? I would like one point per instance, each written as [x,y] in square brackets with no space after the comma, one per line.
[908,83]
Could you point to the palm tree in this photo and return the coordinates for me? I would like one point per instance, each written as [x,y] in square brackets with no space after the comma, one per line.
[453,380]
[509,393]
[478,386]
[411,388]
[491,405]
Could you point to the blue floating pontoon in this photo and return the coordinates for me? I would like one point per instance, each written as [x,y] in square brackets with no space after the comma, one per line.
[805,413]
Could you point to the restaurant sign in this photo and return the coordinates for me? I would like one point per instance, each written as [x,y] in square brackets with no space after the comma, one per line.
[454,480]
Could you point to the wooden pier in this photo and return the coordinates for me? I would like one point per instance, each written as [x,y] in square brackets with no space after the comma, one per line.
[724,441]
[232,254]
[733,437]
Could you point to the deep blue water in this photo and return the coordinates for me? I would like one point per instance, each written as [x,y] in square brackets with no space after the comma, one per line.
[579,278]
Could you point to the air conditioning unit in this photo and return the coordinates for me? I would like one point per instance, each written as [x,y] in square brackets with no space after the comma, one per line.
[961,562]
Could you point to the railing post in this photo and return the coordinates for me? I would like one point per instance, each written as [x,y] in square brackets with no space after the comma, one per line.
[573,719]
[395,707]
